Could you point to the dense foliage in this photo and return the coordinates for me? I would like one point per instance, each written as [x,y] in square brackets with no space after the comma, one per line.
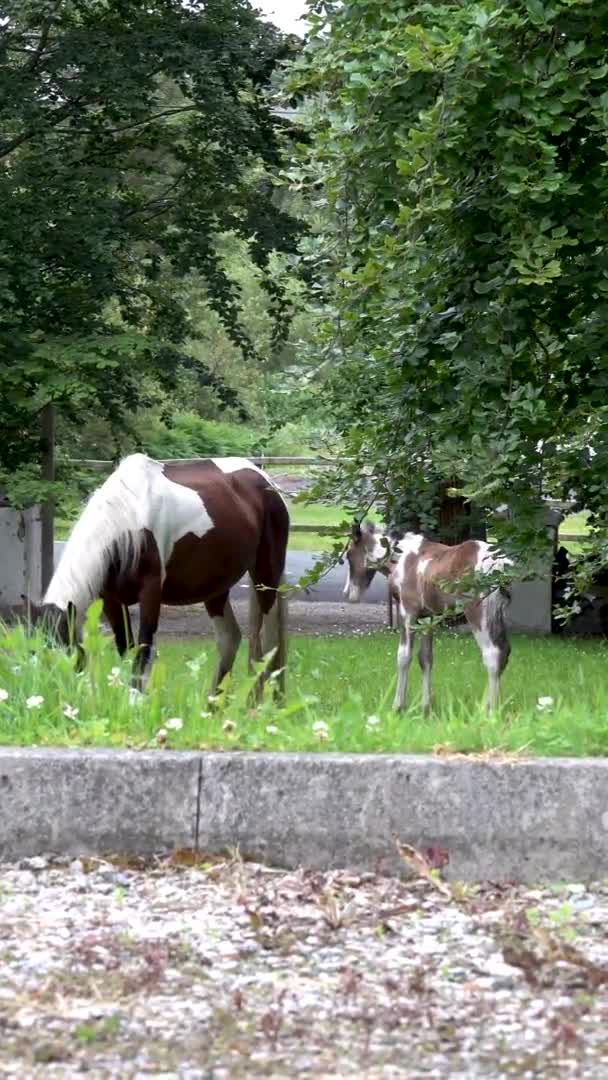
[459,157]
[133,134]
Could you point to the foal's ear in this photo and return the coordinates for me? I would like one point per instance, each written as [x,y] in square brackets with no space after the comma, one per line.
[355,531]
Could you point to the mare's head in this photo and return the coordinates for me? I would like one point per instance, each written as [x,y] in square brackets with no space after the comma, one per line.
[59,626]
[363,555]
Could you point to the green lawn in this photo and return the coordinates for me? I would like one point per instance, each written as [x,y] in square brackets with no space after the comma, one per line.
[347,684]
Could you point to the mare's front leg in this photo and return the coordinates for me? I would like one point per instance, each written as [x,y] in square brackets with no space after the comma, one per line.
[227,636]
[149,614]
[119,619]
[404,659]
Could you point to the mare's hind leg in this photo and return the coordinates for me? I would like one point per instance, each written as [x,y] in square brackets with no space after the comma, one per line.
[227,636]
[272,605]
[425,659]
[404,659]
[256,618]
[120,622]
[487,622]
[149,614]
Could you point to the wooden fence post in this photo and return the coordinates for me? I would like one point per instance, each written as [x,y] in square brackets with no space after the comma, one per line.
[47,512]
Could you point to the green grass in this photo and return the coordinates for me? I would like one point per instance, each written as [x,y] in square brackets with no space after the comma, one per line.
[341,682]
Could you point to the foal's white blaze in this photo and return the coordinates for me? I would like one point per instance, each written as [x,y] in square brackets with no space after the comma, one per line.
[135,497]
[347,582]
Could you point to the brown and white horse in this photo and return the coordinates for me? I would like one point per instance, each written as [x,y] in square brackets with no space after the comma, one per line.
[416,569]
[184,533]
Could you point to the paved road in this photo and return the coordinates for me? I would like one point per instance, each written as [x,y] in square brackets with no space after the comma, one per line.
[328,589]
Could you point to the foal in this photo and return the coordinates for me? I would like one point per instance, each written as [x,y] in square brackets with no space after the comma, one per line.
[182,533]
[415,569]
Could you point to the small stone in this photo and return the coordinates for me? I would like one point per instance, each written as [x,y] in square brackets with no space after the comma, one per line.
[36,862]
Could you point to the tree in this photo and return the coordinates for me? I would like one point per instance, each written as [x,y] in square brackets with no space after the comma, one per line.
[134,132]
[459,153]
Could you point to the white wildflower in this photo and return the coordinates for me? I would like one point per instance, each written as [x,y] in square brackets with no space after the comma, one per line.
[71,712]
[34,702]
[161,735]
[135,696]
[272,729]
[544,704]
[3,694]
[114,678]
[174,723]
[321,730]
[229,725]
[372,722]
[205,715]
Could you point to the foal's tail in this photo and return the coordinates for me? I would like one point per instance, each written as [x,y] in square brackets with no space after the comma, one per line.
[494,607]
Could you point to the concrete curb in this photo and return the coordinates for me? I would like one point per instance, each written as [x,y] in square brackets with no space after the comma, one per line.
[538,820]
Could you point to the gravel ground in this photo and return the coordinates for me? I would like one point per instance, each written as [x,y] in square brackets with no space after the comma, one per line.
[316,619]
[213,970]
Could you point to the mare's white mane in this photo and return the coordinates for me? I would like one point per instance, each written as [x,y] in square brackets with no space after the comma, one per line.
[109,528]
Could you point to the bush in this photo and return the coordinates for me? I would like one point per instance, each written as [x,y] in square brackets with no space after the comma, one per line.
[291,440]
[191,436]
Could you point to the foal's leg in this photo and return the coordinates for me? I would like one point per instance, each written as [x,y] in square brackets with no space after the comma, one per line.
[425,659]
[404,659]
[227,636]
[487,622]
[149,614]
[120,622]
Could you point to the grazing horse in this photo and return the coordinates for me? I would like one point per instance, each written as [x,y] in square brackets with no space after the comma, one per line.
[416,569]
[181,533]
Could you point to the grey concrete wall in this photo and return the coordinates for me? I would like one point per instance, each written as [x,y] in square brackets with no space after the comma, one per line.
[530,608]
[519,821]
[20,556]
[79,801]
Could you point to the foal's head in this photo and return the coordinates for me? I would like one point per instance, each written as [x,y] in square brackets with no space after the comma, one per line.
[363,555]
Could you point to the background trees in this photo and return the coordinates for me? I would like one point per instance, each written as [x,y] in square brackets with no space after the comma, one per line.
[459,158]
[134,135]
